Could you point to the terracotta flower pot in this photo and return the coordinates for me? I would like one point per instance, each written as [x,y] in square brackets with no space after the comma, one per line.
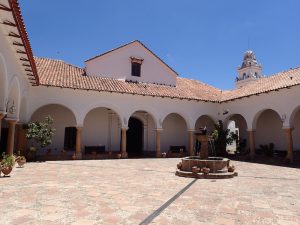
[21,162]
[231,168]
[179,165]
[119,156]
[205,170]
[195,169]
[6,170]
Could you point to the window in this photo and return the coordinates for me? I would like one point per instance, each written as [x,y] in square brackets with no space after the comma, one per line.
[136,66]
[135,69]
[70,138]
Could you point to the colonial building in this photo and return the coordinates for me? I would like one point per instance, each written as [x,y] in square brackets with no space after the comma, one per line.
[128,100]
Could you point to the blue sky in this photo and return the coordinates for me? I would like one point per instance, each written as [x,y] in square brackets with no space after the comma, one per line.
[200,39]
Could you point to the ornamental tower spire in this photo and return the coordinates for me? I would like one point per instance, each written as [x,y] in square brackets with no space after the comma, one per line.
[249,71]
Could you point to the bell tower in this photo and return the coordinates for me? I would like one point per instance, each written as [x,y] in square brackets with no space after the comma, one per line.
[249,71]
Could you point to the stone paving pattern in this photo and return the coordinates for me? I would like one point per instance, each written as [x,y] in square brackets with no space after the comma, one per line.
[128,191]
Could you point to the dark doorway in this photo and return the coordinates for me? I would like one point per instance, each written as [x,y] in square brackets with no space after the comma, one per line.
[3,141]
[70,138]
[134,143]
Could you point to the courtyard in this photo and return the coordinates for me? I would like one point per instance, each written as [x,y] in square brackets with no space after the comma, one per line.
[146,191]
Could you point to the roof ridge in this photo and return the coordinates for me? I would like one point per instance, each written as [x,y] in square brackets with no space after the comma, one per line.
[111,50]
[59,60]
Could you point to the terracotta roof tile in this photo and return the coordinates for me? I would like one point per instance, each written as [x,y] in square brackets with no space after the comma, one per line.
[60,74]
[275,82]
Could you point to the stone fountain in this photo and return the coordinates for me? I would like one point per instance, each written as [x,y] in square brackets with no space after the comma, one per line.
[203,166]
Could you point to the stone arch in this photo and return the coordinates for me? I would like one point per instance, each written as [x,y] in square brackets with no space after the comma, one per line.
[62,117]
[54,101]
[110,106]
[293,115]
[14,99]
[268,129]
[258,114]
[295,124]
[3,83]
[205,121]
[102,127]
[146,109]
[183,115]
[174,133]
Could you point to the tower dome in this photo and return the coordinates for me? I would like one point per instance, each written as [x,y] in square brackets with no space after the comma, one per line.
[249,71]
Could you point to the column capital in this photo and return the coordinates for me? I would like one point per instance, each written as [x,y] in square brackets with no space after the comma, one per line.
[2,115]
[192,130]
[288,128]
[11,120]
[251,130]
[79,127]
[158,129]
[124,128]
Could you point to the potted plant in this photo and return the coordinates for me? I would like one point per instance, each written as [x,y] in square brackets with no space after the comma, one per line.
[231,168]
[196,169]
[7,163]
[179,165]
[119,155]
[40,133]
[21,160]
[205,170]
[222,137]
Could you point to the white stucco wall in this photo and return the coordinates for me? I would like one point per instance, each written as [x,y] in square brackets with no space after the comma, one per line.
[174,132]
[13,81]
[117,64]
[100,128]
[269,130]
[62,117]
[82,102]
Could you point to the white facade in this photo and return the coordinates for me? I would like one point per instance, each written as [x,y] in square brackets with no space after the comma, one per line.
[117,64]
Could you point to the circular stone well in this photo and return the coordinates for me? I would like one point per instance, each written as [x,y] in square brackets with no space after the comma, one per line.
[218,167]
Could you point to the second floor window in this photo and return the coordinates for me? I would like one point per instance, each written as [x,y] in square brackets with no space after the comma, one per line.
[136,69]
[136,66]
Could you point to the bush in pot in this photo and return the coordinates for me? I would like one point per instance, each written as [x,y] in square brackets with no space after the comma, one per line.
[41,134]
[7,163]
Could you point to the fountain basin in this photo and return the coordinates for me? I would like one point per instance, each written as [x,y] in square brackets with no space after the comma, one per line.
[215,164]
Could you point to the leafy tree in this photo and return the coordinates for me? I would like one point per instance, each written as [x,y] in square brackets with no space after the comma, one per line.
[222,137]
[41,133]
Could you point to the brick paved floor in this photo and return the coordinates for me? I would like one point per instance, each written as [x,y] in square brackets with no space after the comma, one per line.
[130,191]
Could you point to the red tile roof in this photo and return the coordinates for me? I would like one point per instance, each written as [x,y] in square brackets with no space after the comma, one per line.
[60,74]
[275,82]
